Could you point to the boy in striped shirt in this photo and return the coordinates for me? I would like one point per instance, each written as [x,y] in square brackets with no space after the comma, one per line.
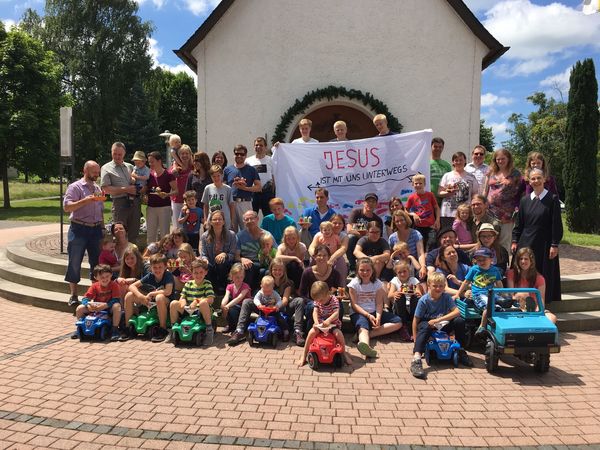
[198,293]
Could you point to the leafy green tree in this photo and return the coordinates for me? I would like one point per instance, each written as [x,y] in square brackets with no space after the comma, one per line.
[103,47]
[486,136]
[30,99]
[580,169]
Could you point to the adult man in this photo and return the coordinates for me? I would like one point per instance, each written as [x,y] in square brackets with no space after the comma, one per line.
[446,236]
[85,231]
[305,126]
[115,180]
[437,166]
[263,164]
[248,245]
[340,129]
[318,213]
[244,182]
[481,215]
[277,221]
[477,167]
[381,123]
[359,218]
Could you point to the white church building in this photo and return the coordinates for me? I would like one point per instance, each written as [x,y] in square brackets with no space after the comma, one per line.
[263,65]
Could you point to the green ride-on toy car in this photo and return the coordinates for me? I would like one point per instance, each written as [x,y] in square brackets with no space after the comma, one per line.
[191,328]
[145,323]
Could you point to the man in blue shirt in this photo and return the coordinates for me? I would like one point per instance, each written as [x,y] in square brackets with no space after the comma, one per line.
[244,182]
[318,213]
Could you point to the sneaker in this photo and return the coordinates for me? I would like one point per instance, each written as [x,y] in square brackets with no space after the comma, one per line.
[237,337]
[75,335]
[160,335]
[355,338]
[464,359]
[367,350]
[416,368]
[209,337]
[73,301]
[299,338]
[480,332]
[124,336]
[169,338]
[114,337]
[404,336]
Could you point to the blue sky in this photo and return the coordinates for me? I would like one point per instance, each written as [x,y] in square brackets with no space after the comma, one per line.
[546,39]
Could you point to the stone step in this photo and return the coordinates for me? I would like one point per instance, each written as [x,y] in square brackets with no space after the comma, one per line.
[20,254]
[578,321]
[35,297]
[577,301]
[580,283]
[44,281]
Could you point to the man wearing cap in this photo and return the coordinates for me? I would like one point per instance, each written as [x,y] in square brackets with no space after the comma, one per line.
[244,182]
[358,220]
[445,237]
[85,231]
[115,179]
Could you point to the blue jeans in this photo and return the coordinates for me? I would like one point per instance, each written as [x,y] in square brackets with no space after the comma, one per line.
[82,239]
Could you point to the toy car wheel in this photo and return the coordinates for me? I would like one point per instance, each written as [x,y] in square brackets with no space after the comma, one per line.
[455,359]
[82,336]
[274,340]
[250,339]
[542,364]
[313,360]
[491,357]
[199,338]
[338,361]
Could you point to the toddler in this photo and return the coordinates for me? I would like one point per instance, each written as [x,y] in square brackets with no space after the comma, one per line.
[268,296]
[401,252]
[191,218]
[108,255]
[182,271]
[140,173]
[404,293]
[235,293]
[266,252]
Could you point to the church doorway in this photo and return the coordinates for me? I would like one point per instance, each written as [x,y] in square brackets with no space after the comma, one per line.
[359,124]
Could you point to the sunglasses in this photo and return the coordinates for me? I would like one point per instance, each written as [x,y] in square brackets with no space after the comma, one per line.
[239,154]
[477,154]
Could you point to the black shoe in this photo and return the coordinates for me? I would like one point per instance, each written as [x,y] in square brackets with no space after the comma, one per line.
[236,338]
[114,337]
[416,368]
[299,338]
[124,336]
[75,335]
[464,359]
[160,335]
[73,301]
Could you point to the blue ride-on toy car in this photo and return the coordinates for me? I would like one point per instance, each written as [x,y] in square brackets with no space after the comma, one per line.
[442,346]
[96,325]
[265,329]
[520,329]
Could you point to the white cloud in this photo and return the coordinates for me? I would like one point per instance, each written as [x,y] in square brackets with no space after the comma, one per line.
[498,127]
[155,51]
[490,99]
[201,7]
[180,68]
[539,35]
[158,3]
[558,84]
[8,23]
[480,5]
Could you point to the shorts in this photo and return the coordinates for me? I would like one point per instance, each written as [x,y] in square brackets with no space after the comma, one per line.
[359,321]
[480,301]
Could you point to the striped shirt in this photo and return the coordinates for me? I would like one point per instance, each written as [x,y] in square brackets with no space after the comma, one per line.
[191,291]
[325,310]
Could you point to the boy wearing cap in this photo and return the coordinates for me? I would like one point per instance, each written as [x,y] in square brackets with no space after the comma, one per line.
[481,277]
[140,173]
[359,219]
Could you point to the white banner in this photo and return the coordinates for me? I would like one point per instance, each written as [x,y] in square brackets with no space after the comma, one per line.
[351,169]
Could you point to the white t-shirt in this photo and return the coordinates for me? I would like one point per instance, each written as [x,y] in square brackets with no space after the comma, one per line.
[301,141]
[366,294]
[466,185]
[412,281]
[264,167]
[479,172]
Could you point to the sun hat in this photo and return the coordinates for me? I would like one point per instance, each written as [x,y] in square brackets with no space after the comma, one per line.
[487,227]
[139,156]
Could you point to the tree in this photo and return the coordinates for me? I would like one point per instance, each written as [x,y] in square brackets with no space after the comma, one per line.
[30,99]
[580,170]
[486,136]
[104,50]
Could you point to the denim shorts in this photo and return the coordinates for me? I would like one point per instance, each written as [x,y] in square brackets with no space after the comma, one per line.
[360,321]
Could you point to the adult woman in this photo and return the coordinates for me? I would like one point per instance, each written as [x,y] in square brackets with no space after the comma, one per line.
[180,172]
[217,247]
[337,259]
[456,187]
[132,268]
[160,185]
[539,227]
[375,248]
[487,237]
[503,191]
[119,232]
[199,178]
[320,271]
[535,160]
[402,233]
[394,204]
[220,159]
[448,264]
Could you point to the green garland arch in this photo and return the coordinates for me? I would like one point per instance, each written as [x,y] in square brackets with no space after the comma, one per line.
[330,93]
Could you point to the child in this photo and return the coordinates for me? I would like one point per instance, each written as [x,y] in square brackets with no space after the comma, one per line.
[217,196]
[235,293]
[166,246]
[367,296]
[525,275]
[401,252]
[266,252]
[292,252]
[481,277]
[162,280]
[461,227]
[434,307]
[191,219]
[268,296]
[104,293]
[183,269]
[108,255]
[140,173]
[423,207]
[278,221]
[327,237]
[197,293]
[403,295]
[325,313]
[293,307]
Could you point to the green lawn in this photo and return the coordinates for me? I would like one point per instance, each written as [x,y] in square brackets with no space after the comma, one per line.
[586,240]
[19,190]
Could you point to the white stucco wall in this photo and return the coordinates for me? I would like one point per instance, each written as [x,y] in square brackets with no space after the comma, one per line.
[416,56]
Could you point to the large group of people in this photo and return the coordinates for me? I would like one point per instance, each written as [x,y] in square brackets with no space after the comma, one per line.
[401,273]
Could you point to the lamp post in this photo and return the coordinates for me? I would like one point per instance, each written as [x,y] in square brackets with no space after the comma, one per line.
[166,135]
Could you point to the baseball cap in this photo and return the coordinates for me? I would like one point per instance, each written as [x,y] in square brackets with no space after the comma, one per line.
[483,252]
[371,195]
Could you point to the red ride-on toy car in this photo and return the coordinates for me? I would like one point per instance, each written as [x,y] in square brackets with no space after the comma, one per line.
[325,349]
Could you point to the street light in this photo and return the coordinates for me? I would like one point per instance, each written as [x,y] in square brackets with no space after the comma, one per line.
[166,135]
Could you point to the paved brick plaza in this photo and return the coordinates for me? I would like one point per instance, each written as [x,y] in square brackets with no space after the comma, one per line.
[60,393]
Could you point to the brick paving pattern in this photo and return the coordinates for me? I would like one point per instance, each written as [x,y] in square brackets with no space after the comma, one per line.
[59,393]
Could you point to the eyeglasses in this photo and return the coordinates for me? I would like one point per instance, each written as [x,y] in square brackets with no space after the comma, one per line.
[478,154]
